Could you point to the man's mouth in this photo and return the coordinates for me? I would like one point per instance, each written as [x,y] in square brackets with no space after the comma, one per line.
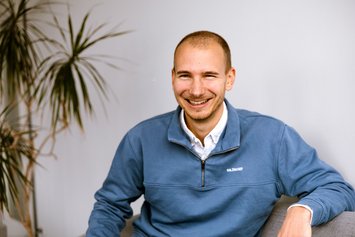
[199,102]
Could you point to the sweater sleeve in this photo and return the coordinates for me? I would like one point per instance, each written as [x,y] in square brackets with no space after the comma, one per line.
[122,186]
[317,184]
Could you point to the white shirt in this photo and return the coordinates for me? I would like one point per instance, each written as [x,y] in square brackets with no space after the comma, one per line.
[211,140]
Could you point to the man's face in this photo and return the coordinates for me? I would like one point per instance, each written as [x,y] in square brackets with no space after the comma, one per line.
[200,80]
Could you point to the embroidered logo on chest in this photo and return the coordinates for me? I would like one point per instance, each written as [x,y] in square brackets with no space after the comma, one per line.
[236,169]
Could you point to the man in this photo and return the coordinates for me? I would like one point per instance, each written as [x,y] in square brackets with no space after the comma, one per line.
[208,169]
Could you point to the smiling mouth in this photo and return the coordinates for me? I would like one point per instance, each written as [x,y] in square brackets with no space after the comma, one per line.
[200,102]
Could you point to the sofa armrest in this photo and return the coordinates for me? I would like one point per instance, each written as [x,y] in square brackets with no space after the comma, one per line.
[342,225]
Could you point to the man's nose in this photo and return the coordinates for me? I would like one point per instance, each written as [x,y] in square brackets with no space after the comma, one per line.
[196,88]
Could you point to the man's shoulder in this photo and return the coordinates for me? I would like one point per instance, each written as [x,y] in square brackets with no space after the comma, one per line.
[258,124]
[249,116]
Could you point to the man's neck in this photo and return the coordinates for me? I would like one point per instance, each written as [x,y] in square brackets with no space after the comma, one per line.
[201,128]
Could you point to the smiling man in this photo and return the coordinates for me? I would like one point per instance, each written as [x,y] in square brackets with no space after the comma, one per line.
[208,169]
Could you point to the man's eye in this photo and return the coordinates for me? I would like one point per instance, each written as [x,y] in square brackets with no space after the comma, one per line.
[184,76]
[210,76]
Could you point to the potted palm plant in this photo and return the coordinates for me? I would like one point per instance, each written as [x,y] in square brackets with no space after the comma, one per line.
[40,74]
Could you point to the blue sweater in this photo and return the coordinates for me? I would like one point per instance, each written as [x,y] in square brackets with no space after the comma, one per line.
[232,193]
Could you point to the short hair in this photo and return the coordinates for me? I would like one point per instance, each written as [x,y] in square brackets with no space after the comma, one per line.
[202,39]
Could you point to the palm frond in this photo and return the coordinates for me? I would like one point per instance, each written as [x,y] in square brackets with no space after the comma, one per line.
[19,56]
[68,73]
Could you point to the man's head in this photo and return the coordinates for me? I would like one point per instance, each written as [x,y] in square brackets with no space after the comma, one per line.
[201,75]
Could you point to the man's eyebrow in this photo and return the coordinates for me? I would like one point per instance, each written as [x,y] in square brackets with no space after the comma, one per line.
[204,73]
[210,73]
[182,72]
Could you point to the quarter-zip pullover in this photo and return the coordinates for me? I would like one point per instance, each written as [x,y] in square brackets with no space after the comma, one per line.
[256,160]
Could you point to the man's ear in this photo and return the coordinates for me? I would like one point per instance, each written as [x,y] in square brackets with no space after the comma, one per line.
[172,75]
[230,78]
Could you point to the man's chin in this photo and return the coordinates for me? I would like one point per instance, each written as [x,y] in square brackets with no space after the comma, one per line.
[198,116]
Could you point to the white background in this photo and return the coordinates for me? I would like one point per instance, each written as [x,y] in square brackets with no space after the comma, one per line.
[295,60]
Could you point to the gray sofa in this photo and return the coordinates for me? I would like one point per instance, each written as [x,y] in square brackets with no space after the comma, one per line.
[341,226]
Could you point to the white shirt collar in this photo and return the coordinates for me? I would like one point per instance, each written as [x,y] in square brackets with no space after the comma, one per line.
[214,134]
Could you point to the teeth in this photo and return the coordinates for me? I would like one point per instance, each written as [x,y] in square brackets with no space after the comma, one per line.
[198,102]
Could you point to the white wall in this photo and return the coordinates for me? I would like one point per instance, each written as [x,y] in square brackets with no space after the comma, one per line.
[295,61]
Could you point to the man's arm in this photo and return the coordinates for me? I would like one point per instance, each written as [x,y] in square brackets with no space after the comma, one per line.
[318,185]
[122,186]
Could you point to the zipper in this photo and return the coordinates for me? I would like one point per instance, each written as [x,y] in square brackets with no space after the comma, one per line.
[203,164]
